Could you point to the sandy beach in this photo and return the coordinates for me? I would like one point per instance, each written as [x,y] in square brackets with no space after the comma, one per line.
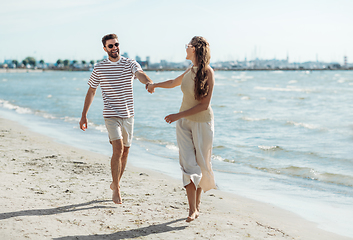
[53,191]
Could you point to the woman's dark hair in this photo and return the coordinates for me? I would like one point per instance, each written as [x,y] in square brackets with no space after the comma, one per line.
[108,37]
[202,58]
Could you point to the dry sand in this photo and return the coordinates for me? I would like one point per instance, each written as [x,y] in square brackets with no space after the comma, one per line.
[53,191]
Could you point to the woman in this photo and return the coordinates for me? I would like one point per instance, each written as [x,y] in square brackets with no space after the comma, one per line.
[194,127]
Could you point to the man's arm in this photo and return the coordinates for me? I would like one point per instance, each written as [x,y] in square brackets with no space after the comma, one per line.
[88,101]
[143,78]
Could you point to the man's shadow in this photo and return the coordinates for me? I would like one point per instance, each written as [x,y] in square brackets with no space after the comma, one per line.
[133,233]
[51,211]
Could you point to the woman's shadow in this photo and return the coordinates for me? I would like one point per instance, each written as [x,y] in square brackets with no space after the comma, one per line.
[133,233]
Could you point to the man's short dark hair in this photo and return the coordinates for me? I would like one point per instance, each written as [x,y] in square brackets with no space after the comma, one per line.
[108,37]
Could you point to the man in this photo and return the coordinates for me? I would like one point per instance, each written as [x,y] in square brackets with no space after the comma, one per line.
[115,76]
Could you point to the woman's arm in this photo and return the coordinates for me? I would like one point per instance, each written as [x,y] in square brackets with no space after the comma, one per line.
[167,84]
[202,106]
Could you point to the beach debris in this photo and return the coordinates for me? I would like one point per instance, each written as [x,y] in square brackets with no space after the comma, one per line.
[174,207]
[78,162]
[272,228]
[143,174]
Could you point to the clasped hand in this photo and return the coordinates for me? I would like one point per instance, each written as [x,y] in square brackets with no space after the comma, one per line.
[150,88]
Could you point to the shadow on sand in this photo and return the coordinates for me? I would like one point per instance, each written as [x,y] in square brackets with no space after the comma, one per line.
[133,233]
[51,211]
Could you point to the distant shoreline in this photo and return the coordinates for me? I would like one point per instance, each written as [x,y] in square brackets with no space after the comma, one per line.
[21,70]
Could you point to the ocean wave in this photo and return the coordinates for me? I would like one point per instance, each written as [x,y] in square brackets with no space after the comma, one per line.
[270,148]
[46,115]
[288,89]
[221,159]
[71,119]
[242,77]
[341,80]
[100,128]
[305,125]
[311,174]
[158,142]
[18,109]
[249,119]
[219,76]
[172,147]
[23,110]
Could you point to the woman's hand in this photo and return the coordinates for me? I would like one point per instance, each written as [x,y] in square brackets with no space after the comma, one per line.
[150,87]
[172,118]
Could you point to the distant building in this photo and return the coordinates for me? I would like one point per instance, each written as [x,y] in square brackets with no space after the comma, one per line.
[9,63]
[144,64]
[125,55]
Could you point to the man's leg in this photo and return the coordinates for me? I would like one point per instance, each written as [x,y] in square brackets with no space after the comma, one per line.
[123,161]
[117,169]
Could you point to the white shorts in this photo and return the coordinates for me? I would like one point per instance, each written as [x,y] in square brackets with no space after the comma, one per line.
[120,128]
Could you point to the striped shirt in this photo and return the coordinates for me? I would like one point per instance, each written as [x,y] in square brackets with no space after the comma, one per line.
[116,81]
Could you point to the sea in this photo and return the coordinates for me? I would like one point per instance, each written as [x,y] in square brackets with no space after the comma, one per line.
[281,137]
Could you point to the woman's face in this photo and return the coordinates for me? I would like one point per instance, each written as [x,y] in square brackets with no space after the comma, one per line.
[190,52]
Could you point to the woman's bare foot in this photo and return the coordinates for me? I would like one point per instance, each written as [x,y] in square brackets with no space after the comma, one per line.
[116,194]
[197,210]
[192,216]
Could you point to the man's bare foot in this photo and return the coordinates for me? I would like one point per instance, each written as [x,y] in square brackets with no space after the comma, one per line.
[112,186]
[192,216]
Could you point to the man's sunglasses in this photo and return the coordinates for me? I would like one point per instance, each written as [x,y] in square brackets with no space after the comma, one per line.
[111,45]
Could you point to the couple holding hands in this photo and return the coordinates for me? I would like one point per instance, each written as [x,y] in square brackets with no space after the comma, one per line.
[194,122]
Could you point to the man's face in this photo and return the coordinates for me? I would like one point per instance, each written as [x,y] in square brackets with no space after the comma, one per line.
[112,48]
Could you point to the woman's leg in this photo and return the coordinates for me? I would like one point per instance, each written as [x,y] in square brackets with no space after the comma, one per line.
[198,199]
[191,193]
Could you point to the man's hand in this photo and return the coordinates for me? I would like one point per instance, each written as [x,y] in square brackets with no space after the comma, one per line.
[83,123]
[150,87]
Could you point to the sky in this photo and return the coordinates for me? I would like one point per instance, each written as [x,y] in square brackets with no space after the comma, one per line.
[303,30]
